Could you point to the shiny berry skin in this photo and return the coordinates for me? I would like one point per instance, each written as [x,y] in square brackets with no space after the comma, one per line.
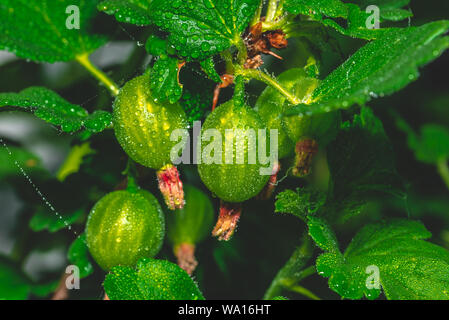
[233,182]
[123,227]
[143,126]
[271,105]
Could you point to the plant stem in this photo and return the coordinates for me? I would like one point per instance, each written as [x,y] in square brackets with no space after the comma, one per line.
[279,10]
[262,76]
[83,59]
[256,17]
[271,10]
[131,173]
[290,274]
[304,291]
[443,170]
[242,51]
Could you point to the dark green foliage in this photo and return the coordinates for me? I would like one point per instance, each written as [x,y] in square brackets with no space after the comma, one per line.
[37,30]
[372,175]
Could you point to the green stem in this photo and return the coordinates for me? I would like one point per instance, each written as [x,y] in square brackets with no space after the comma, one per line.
[83,59]
[239,92]
[443,170]
[131,173]
[279,10]
[293,271]
[271,10]
[242,52]
[262,76]
[256,17]
[304,291]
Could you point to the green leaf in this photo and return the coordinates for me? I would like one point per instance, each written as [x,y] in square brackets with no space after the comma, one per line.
[195,105]
[163,280]
[73,161]
[356,25]
[318,9]
[44,219]
[165,85]
[50,107]
[431,145]
[389,9]
[14,284]
[361,163]
[408,267]
[300,203]
[79,255]
[129,11]
[395,14]
[43,290]
[322,234]
[199,29]
[37,30]
[11,158]
[153,280]
[156,46]
[208,66]
[121,284]
[380,68]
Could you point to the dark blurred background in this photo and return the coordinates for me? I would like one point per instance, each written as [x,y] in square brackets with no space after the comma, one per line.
[243,267]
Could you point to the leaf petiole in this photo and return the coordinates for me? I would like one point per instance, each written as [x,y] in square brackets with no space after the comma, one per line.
[83,59]
[267,79]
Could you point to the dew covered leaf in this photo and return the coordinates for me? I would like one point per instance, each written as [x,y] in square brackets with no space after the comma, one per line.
[322,234]
[361,164]
[356,24]
[380,68]
[121,284]
[199,29]
[317,9]
[79,255]
[300,203]
[45,219]
[165,85]
[129,11]
[389,9]
[50,107]
[152,280]
[208,66]
[408,267]
[37,30]
[163,280]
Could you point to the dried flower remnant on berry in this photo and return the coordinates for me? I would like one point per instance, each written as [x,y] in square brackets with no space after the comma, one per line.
[227,220]
[185,254]
[171,187]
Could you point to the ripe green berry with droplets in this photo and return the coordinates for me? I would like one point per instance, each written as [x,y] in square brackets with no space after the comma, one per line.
[271,106]
[123,227]
[143,127]
[189,226]
[232,182]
